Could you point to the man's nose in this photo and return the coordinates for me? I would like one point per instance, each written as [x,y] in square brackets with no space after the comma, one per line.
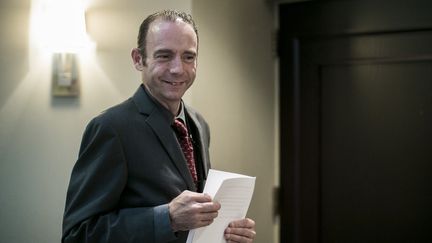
[176,66]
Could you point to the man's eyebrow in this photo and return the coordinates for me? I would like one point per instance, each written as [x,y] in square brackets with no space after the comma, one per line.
[190,53]
[169,51]
[163,51]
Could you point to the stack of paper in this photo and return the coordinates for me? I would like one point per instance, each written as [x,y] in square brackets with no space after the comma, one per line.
[234,193]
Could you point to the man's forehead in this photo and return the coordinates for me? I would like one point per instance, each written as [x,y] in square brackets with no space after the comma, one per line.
[160,23]
[177,32]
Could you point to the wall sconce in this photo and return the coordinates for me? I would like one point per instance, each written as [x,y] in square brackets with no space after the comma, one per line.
[65,78]
[62,32]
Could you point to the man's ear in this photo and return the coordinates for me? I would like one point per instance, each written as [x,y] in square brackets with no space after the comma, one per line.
[137,59]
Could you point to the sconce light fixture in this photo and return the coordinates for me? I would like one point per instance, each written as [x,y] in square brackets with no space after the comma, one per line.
[62,32]
[65,78]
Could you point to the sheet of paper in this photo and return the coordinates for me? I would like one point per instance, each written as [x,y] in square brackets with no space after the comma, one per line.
[234,193]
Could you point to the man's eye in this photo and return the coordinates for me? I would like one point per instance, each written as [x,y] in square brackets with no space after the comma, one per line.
[162,56]
[189,58]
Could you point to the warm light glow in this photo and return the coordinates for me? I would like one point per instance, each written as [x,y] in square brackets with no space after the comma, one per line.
[59,25]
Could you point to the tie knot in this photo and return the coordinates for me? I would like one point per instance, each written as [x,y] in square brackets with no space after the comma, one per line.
[180,127]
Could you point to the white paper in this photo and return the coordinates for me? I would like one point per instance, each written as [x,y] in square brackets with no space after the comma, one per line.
[234,193]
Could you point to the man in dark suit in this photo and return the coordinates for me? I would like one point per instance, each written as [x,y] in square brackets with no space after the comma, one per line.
[132,181]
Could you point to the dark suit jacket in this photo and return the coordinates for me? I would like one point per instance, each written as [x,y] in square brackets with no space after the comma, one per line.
[130,167]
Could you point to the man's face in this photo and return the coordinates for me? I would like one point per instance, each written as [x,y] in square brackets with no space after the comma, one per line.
[170,66]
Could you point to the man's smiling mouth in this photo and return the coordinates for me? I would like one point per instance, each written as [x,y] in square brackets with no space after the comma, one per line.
[173,83]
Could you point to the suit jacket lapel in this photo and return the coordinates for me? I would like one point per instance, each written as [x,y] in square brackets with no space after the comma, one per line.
[169,141]
[159,119]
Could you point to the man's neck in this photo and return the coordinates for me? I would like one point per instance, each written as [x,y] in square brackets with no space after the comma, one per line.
[172,107]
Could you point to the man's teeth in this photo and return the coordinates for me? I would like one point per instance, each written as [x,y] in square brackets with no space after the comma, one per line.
[174,83]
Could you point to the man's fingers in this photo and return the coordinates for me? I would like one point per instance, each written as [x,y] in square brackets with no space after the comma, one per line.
[190,196]
[241,231]
[191,210]
[208,207]
[237,239]
[242,223]
[201,197]
[243,235]
[208,216]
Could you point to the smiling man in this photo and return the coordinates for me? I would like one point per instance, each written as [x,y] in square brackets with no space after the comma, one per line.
[143,163]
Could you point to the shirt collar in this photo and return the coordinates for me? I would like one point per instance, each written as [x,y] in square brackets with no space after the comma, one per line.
[181,115]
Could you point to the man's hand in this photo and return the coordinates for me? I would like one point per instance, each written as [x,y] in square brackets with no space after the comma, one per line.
[240,231]
[192,210]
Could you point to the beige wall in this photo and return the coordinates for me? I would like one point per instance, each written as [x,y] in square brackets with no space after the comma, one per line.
[235,91]
[40,135]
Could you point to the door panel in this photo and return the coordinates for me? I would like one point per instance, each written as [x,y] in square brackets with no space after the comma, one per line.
[376,160]
[356,115]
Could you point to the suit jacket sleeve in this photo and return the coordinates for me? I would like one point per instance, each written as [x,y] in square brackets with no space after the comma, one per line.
[96,185]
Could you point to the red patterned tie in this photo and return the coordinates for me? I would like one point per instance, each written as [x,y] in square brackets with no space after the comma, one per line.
[187,147]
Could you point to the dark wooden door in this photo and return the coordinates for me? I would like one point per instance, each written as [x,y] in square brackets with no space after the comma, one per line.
[356,121]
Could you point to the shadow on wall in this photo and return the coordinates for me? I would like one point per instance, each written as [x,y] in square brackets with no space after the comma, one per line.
[14,47]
